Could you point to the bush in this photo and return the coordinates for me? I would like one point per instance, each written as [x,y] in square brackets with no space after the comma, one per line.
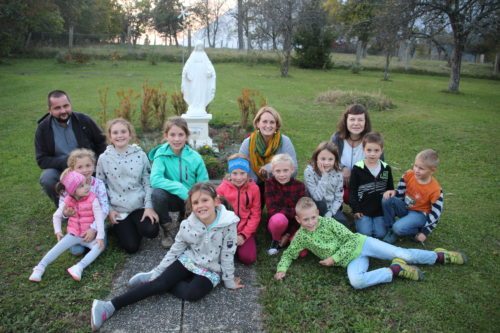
[179,104]
[215,167]
[248,105]
[372,101]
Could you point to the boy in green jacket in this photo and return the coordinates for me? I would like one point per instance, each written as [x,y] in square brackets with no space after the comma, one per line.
[334,244]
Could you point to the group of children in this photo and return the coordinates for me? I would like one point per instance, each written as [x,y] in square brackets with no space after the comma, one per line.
[202,245]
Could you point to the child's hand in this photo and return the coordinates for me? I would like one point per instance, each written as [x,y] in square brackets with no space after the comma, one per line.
[357,216]
[59,235]
[112,216]
[321,168]
[346,173]
[238,283]
[68,211]
[240,240]
[279,276]
[263,172]
[100,243]
[327,262]
[149,212]
[89,235]
[420,237]
[389,194]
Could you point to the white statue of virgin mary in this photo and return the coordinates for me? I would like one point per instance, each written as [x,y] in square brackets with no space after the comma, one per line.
[198,81]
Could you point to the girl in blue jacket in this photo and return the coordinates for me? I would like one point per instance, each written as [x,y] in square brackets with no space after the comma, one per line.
[176,168]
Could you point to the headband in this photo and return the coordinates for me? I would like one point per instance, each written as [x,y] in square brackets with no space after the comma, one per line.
[239,163]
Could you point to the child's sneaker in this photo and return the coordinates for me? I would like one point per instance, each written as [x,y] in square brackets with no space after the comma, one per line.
[274,248]
[101,311]
[75,272]
[36,276]
[390,237]
[140,278]
[452,257]
[408,271]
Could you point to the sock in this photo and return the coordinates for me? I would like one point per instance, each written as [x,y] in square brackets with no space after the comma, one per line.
[395,269]
[440,258]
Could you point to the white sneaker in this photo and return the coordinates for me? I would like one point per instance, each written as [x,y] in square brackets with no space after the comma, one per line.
[36,276]
[101,311]
[140,278]
[75,272]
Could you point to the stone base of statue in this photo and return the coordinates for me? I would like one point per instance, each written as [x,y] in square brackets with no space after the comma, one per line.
[198,126]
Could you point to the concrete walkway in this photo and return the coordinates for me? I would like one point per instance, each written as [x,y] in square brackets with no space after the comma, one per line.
[222,310]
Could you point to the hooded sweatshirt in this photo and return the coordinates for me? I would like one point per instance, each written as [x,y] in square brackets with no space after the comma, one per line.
[126,176]
[246,204]
[176,174]
[208,247]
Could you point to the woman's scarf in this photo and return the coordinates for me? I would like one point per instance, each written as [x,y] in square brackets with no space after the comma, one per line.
[262,153]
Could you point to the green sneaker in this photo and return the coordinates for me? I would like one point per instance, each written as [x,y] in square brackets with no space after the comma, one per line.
[452,257]
[408,271]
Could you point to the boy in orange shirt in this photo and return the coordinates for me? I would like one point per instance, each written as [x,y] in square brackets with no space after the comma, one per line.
[418,200]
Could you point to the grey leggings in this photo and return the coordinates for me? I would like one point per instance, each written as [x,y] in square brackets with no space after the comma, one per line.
[65,243]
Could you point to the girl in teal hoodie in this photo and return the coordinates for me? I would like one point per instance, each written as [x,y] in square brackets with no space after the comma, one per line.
[176,168]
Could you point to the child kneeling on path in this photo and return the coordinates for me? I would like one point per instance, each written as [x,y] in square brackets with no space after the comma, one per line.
[86,209]
[334,244]
[202,255]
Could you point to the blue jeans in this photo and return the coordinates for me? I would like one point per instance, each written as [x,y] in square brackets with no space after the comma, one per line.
[410,222]
[357,270]
[371,226]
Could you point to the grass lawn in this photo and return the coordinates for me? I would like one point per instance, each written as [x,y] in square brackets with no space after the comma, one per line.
[463,128]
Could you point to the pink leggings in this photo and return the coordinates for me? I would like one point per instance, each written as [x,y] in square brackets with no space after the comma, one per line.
[277,225]
[247,252]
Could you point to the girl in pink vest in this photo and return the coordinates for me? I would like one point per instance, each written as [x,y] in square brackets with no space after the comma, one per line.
[243,194]
[86,209]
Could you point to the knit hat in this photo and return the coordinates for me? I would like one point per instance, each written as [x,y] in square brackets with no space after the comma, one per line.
[238,163]
[71,181]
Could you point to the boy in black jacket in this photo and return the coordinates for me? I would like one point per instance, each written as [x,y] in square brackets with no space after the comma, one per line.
[370,178]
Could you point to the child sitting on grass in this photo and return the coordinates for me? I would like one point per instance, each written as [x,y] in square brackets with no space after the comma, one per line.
[86,209]
[282,193]
[335,245]
[418,200]
[324,181]
[370,179]
[244,196]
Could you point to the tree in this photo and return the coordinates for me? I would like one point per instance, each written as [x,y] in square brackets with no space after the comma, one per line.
[393,22]
[356,18]
[208,13]
[136,18]
[313,37]
[463,17]
[167,19]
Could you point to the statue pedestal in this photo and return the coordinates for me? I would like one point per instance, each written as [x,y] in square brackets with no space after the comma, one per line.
[198,126]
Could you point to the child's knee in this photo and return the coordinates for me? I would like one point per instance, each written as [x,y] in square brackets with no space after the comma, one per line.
[357,281]
[247,258]
[278,220]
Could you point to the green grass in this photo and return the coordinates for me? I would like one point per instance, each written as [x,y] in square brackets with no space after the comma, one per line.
[463,128]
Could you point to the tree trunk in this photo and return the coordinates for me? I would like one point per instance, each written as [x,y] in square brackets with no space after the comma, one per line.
[240,25]
[28,40]
[359,52]
[70,37]
[456,65]
[386,68]
[496,65]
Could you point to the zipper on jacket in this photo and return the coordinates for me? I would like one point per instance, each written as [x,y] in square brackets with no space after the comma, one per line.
[180,169]
[186,172]
[239,190]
